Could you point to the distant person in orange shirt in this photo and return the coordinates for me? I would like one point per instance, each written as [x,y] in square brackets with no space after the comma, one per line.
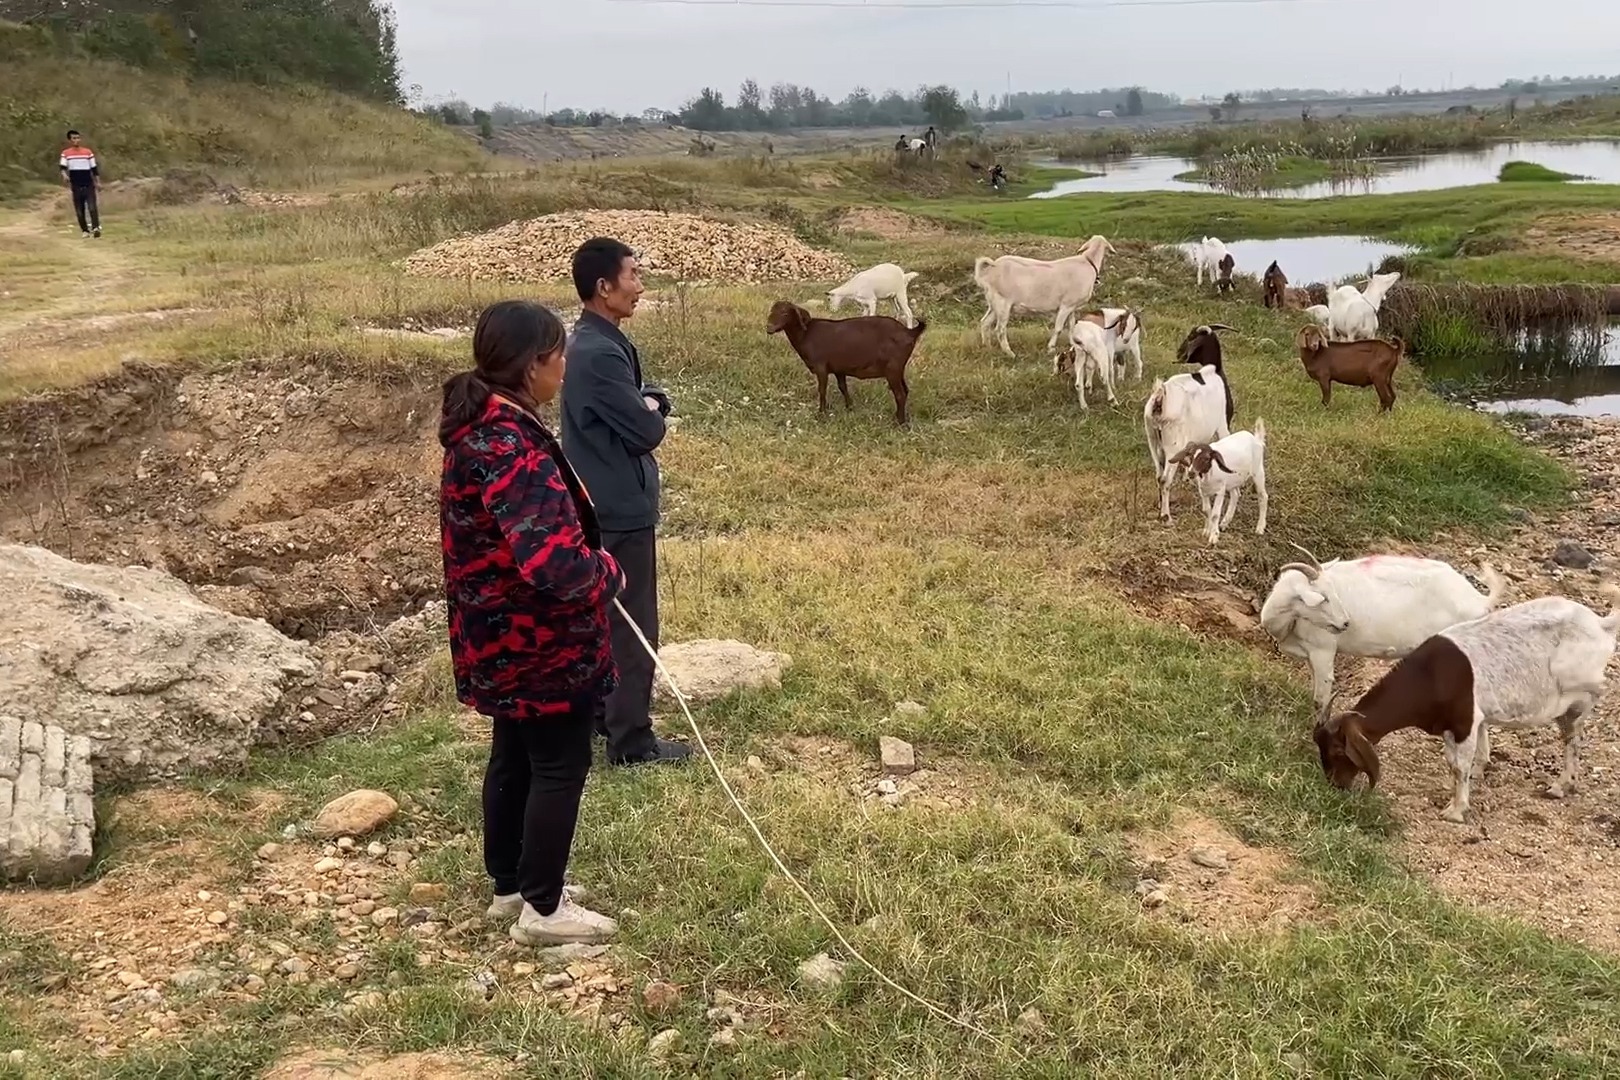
[80,174]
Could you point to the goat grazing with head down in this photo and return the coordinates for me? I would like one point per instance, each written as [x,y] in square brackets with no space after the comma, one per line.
[1278,294]
[1090,353]
[1381,606]
[1211,255]
[1220,469]
[1351,363]
[1533,664]
[864,347]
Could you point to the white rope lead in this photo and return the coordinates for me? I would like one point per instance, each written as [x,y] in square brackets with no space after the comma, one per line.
[777,859]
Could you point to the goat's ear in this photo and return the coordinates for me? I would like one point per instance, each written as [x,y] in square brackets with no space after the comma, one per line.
[1359,749]
[1215,455]
[1311,598]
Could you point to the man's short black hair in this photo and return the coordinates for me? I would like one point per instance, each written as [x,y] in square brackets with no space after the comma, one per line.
[598,258]
[72,132]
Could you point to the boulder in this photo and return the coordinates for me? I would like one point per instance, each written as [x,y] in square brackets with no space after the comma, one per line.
[158,681]
[706,670]
[47,817]
[355,814]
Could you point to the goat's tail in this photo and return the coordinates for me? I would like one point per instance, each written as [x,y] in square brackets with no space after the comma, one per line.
[1400,347]
[916,331]
[1611,621]
[911,275]
[979,266]
[1259,431]
[1495,587]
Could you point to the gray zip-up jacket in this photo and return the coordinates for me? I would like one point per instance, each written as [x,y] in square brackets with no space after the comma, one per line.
[608,433]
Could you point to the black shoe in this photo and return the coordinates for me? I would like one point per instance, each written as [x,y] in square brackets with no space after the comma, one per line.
[96,232]
[663,751]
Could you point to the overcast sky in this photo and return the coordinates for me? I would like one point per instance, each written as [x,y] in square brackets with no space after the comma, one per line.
[628,56]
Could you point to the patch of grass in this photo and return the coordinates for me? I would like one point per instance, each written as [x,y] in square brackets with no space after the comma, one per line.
[1520,172]
[1287,172]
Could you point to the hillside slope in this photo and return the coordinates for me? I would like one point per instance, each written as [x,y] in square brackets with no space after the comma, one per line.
[143,122]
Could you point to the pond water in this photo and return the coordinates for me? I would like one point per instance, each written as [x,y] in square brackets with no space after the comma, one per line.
[1556,371]
[1308,259]
[1596,159]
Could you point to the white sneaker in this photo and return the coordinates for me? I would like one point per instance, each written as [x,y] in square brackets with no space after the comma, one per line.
[570,924]
[510,905]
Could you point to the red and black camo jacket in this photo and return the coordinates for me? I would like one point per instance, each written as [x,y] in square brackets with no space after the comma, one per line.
[526,580]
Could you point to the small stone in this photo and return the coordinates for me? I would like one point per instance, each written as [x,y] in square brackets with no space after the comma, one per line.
[362,908]
[294,965]
[425,892]
[724,1039]
[399,860]
[1211,858]
[886,786]
[483,983]
[347,972]
[560,980]
[218,918]
[326,866]
[20,1056]
[298,978]
[1155,898]
[661,997]
[909,710]
[369,999]
[1572,555]
[755,764]
[193,978]
[132,981]
[53,982]
[523,969]
[253,984]
[345,843]
[203,896]
[376,849]
[384,916]
[899,757]
[1031,1022]
[821,971]
[1609,519]
[209,477]
[355,814]
[664,1044]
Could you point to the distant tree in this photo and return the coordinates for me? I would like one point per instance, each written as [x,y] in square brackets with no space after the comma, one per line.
[750,112]
[1133,102]
[1230,104]
[1215,113]
[943,108]
[706,112]
[486,127]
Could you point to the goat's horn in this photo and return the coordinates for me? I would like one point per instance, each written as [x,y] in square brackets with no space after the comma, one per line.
[1308,571]
[1221,326]
[1325,717]
[1201,330]
[1306,551]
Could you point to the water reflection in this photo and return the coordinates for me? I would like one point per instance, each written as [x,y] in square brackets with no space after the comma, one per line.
[1554,370]
[1307,259]
[1596,159]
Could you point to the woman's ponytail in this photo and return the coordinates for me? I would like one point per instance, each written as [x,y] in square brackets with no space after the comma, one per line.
[509,337]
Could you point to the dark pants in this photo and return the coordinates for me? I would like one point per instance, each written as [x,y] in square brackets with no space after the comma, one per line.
[627,720]
[532,787]
[84,202]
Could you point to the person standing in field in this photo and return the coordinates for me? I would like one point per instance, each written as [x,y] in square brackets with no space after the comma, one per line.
[82,176]
[528,587]
[611,424]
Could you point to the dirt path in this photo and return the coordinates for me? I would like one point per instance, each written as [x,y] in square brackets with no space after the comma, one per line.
[79,273]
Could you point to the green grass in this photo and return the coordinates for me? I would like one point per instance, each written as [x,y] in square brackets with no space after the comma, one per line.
[1290,172]
[1520,172]
[978,563]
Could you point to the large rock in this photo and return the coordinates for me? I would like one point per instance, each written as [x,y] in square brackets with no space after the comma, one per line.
[355,814]
[706,669]
[160,682]
[47,817]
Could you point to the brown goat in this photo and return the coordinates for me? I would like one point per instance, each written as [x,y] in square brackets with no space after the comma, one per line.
[864,347]
[1275,284]
[1224,282]
[1351,363]
[1431,689]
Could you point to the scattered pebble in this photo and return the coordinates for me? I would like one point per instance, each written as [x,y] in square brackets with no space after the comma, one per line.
[821,971]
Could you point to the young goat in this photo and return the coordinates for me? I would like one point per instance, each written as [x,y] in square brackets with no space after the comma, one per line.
[1182,410]
[1124,329]
[1351,363]
[1536,663]
[1202,346]
[1223,284]
[865,347]
[1321,314]
[1382,606]
[1220,469]
[1089,353]
[1274,285]
[885,281]
[1208,255]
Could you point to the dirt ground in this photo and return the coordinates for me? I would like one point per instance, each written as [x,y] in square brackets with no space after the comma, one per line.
[1593,236]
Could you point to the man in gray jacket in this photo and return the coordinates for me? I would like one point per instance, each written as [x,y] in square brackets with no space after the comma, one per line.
[611,424]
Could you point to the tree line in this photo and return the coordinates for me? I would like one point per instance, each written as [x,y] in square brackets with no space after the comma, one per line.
[347,45]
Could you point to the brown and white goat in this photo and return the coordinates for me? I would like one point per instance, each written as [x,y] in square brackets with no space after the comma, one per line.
[1536,663]
[1351,363]
[1223,283]
[864,347]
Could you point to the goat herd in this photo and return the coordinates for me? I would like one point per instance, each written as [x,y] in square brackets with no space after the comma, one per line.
[1464,663]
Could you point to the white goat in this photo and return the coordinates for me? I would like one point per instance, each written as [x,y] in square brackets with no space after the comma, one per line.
[1088,354]
[917,146]
[1381,606]
[1536,663]
[1182,410]
[1039,285]
[1207,256]
[1220,469]
[885,281]
[1322,314]
[1124,329]
[1353,313]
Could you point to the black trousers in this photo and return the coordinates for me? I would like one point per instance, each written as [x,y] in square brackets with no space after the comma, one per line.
[532,787]
[627,720]
[84,203]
